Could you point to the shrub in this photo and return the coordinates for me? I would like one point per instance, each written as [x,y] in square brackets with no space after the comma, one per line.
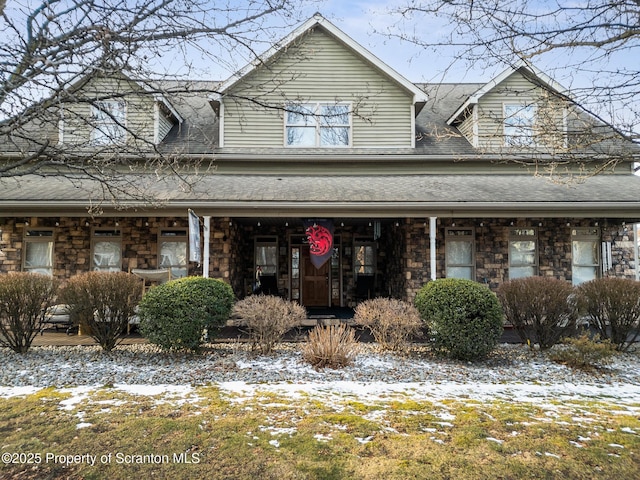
[613,307]
[464,318]
[330,346]
[391,322]
[174,315]
[103,302]
[584,352]
[268,318]
[542,309]
[24,297]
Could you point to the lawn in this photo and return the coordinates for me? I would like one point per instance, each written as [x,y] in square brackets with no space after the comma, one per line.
[286,431]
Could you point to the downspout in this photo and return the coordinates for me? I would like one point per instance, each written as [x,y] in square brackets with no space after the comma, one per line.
[207,235]
[432,245]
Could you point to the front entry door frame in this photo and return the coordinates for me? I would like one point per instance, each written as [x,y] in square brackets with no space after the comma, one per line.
[301,271]
[315,282]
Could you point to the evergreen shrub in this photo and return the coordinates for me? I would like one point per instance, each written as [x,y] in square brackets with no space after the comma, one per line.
[464,318]
[175,315]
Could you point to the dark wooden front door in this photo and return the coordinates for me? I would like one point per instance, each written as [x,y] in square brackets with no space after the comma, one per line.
[315,282]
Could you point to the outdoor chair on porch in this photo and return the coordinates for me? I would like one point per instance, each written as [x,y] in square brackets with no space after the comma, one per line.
[57,316]
[365,287]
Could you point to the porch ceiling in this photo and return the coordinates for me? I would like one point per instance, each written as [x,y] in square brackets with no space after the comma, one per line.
[341,196]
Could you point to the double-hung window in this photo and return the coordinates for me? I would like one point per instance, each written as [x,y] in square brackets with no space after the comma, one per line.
[38,251]
[519,124]
[459,247]
[523,252]
[109,117]
[585,258]
[173,251]
[107,250]
[364,257]
[318,125]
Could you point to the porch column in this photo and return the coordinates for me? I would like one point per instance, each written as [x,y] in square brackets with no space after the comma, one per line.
[432,246]
[207,236]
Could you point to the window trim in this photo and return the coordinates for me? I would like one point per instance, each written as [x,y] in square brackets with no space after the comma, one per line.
[470,238]
[582,234]
[519,139]
[107,118]
[513,237]
[117,236]
[48,237]
[316,105]
[175,238]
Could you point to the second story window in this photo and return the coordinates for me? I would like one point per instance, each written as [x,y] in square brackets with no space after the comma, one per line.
[318,125]
[519,123]
[108,119]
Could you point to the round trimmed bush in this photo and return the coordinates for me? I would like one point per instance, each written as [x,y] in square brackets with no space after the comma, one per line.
[175,314]
[464,318]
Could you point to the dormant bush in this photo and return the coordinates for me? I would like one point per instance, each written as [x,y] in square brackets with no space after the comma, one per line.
[330,347]
[613,308]
[391,322]
[24,297]
[583,352]
[463,317]
[175,315]
[268,318]
[103,302]
[543,310]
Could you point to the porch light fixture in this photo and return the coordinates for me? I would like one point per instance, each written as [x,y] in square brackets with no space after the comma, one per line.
[258,223]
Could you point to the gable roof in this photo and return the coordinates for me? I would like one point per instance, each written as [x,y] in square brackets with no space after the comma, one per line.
[526,69]
[319,21]
[146,87]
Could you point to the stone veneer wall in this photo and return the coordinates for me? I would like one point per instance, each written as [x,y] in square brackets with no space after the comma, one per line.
[492,242]
[403,249]
[72,243]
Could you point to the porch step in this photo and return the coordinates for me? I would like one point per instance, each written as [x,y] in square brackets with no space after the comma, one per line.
[310,321]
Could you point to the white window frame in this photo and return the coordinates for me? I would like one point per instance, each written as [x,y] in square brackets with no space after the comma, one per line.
[524,234]
[519,122]
[39,236]
[585,234]
[460,235]
[314,120]
[109,122]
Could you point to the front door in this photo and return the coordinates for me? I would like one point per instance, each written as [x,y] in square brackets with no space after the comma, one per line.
[315,282]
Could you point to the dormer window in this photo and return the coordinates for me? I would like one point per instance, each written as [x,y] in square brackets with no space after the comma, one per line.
[108,119]
[318,125]
[519,123]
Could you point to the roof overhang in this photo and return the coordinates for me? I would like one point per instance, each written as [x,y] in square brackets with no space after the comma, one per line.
[372,196]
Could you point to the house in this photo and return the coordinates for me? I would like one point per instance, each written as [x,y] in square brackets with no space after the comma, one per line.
[331,177]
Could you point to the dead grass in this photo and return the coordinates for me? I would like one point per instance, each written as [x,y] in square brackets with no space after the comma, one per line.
[269,436]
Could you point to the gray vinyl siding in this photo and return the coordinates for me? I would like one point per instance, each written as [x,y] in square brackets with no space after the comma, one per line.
[516,89]
[318,68]
[139,112]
